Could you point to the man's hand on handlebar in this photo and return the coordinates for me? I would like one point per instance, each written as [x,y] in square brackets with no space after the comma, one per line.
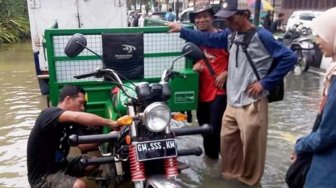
[114,125]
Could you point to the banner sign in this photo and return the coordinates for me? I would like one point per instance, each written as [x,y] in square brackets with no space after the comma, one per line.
[124,53]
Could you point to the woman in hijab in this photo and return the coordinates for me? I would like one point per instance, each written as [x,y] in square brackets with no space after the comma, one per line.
[322,143]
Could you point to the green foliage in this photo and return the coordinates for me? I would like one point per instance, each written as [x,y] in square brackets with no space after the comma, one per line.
[14,24]
[13,29]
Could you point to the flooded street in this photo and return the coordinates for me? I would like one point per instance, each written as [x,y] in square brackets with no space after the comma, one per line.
[20,103]
[288,120]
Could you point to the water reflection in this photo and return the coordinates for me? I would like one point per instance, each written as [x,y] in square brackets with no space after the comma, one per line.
[288,120]
[20,103]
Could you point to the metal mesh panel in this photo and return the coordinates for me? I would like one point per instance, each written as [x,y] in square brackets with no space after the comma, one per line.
[94,42]
[155,66]
[154,43]
[162,42]
[67,69]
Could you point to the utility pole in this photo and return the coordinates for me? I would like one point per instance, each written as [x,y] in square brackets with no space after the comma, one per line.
[273,10]
[257,12]
[177,7]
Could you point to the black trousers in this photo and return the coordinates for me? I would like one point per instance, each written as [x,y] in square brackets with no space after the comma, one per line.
[212,113]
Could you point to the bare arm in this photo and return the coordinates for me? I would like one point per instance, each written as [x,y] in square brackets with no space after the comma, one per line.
[221,79]
[214,40]
[86,119]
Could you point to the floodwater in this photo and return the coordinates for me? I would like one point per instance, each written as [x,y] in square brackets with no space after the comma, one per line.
[20,103]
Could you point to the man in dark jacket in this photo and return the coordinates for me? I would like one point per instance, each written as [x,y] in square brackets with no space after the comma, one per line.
[245,121]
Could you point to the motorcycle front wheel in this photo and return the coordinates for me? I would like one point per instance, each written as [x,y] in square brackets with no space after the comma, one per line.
[302,64]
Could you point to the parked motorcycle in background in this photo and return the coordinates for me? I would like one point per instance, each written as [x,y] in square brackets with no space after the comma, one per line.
[300,40]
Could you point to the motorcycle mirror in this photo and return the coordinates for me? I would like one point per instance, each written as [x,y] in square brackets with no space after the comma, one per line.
[192,51]
[75,45]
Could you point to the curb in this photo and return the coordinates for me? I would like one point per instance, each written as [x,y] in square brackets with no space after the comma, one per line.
[316,71]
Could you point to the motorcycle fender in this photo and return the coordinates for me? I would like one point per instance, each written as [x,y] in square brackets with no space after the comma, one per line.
[295,46]
[160,181]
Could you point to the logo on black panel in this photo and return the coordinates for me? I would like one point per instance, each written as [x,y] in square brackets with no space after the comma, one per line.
[127,48]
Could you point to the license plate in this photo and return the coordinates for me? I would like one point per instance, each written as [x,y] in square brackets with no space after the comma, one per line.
[310,52]
[158,149]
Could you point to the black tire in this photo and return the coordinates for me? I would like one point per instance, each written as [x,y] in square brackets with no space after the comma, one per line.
[303,61]
[309,60]
[304,64]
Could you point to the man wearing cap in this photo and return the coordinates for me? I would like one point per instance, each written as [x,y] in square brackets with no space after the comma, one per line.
[212,94]
[245,121]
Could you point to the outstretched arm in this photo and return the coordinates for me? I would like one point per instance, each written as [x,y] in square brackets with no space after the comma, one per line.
[213,40]
[86,119]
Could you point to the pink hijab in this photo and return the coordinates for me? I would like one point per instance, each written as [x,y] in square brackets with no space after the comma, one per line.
[325,27]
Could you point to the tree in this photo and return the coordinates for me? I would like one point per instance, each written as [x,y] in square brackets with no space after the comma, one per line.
[14,24]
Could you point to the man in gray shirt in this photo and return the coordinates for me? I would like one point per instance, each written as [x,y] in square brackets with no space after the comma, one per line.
[245,121]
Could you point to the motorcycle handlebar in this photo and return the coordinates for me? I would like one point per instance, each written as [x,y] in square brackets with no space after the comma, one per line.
[193,151]
[85,75]
[168,74]
[75,140]
[204,129]
[97,161]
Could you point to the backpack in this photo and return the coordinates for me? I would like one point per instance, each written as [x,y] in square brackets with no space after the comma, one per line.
[277,92]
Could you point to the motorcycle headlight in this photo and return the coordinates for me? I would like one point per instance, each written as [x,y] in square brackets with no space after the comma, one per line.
[157,116]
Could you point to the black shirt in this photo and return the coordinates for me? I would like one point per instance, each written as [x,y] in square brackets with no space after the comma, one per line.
[267,22]
[48,146]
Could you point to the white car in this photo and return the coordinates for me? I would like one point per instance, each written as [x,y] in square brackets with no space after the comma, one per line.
[184,16]
[302,16]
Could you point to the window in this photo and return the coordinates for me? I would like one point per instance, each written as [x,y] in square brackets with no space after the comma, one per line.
[185,17]
[306,16]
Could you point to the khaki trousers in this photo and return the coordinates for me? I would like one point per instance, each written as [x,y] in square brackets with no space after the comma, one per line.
[243,141]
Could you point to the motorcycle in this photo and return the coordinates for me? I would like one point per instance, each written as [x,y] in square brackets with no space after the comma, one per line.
[144,151]
[298,39]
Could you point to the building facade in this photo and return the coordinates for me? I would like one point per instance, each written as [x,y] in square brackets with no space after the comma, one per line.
[288,6]
[308,4]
